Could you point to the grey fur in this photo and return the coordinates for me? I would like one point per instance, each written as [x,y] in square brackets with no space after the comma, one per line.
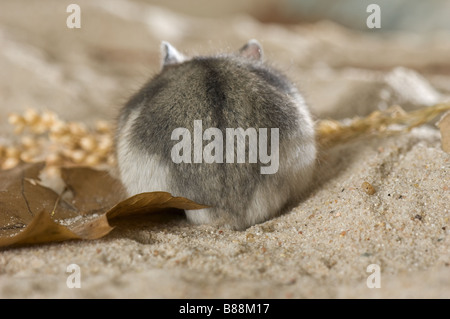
[224,91]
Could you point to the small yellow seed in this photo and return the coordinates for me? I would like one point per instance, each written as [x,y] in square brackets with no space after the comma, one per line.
[49,118]
[77,128]
[20,127]
[52,172]
[104,144]
[28,141]
[368,188]
[78,156]
[111,160]
[28,156]
[10,163]
[88,143]
[66,152]
[15,119]
[67,140]
[59,128]
[31,116]
[39,128]
[102,126]
[92,160]
[12,152]
[53,159]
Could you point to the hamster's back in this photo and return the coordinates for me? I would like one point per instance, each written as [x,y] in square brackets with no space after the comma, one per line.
[222,92]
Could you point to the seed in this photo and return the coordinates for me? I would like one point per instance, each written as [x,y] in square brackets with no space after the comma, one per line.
[111,160]
[59,128]
[88,143]
[104,144]
[31,116]
[48,118]
[77,129]
[19,128]
[92,160]
[28,156]
[368,188]
[250,237]
[10,163]
[15,119]
[77,156]
[102,126]
[12,152]
[28,141]
[53,159]
[39,128]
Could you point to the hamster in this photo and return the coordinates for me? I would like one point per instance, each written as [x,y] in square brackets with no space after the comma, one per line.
[193,107]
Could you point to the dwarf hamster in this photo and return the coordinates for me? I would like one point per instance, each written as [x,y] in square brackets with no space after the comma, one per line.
[226,131]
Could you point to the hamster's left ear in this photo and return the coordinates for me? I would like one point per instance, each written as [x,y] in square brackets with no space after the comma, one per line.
[170,55]
[252,50]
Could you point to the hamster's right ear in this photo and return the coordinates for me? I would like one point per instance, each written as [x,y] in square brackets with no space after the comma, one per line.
[170,55]
[252,50]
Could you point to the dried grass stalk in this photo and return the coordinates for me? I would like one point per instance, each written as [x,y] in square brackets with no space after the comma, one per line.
[331,132]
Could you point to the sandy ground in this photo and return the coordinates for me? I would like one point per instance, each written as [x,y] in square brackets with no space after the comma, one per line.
[322,248]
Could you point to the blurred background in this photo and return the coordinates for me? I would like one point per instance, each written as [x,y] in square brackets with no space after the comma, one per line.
[342,67]
[406,15]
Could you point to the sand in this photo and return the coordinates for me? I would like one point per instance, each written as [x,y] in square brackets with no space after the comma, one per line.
[322,247]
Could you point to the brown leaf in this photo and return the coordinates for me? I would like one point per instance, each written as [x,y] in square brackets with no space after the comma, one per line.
[41,229]
[93,190]
[22,199]
[31,213]
[149,203]
[94,229]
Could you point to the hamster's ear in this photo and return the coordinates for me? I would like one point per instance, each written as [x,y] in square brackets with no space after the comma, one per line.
[252,50]
[170,55]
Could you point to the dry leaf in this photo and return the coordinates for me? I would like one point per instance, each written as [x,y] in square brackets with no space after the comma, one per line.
[22,198]
[31,213]
[41,229]
[93,229]
[444,126]
[92,190]
[149,203]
